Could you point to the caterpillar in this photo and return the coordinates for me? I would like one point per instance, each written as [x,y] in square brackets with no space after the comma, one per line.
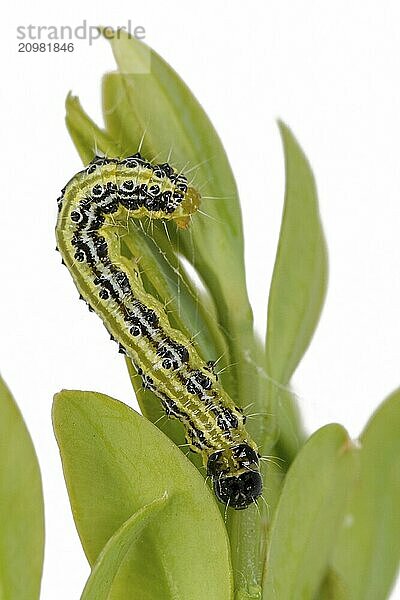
[109,191]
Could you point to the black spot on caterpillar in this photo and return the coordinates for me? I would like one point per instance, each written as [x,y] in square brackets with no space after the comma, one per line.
[109,191]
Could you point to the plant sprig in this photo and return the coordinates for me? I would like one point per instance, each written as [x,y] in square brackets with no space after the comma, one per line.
[328,527]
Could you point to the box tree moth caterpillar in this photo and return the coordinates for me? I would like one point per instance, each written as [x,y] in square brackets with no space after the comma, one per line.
[111,190]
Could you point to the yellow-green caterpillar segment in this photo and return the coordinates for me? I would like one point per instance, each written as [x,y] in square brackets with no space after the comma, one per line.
[106,192]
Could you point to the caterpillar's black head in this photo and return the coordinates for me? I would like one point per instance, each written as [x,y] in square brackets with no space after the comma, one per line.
[236,478]
[238,491]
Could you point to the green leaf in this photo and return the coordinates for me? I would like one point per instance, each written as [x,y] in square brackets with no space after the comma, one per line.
[158,105]
[290,436]
[298,287]
[116,462]
[86,135]
[367,554]
[99,584]
[21,506]
[309,512]
[300,274]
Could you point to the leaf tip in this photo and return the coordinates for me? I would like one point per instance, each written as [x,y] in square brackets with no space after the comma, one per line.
[70,99]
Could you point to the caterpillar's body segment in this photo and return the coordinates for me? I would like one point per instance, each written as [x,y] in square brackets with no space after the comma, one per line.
[110,191]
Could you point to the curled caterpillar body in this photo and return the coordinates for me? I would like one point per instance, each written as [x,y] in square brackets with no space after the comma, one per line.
[109,191]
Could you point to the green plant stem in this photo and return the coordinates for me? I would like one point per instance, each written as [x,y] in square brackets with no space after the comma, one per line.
[249,532]
[245,538]
[248,529]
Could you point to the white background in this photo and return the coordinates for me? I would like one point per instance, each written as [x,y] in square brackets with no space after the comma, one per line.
[331,71]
